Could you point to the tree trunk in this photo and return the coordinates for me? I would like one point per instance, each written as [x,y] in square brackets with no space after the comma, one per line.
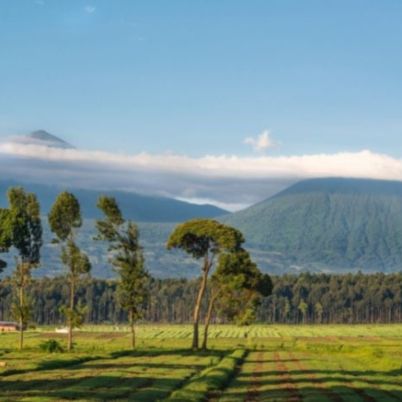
[132,330]
[208,320]
[70,317]
[197,308]
[21,323]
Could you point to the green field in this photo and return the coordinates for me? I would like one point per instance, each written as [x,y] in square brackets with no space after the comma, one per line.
[257,363]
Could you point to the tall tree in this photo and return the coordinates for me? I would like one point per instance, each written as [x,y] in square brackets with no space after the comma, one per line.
[64,219]
[126,258]
[5,234]
[27,240]
[236,288]
[204,239]
[303,307]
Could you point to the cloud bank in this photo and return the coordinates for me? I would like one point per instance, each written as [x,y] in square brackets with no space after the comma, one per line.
[225,180]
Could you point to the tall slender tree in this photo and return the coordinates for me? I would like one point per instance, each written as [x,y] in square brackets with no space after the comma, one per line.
[204,239]
[303,308]
[126,258]
[64,220]
[27,240]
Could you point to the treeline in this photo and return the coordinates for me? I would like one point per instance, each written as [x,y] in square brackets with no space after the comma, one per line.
[322,298]
[295,299]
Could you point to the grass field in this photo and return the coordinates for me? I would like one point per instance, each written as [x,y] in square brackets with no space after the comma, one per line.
[257,363]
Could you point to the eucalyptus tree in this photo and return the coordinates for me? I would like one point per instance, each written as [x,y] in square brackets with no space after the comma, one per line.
[126,258]
[26,235]
[237,286]
[204,239]
[303,308]
[64,220]
[5,234]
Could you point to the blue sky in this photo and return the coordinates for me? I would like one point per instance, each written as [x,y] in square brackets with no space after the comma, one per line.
[217,101]
[198,77]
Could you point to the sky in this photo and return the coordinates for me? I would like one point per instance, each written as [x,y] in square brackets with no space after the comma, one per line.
[227,86]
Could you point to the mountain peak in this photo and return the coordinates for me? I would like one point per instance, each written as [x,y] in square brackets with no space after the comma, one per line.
[45,138]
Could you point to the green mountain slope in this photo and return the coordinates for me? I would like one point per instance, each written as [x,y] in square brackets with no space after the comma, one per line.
[328,224]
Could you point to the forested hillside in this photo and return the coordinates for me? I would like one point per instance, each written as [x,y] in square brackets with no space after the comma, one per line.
[328,224]
[308,298]
[322,225]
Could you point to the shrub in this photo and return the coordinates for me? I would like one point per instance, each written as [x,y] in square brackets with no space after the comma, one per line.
[51,346]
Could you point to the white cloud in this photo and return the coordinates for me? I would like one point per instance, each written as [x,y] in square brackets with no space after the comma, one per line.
[226,180]
[229,206]
[349,164]
[90,9]
[261,142]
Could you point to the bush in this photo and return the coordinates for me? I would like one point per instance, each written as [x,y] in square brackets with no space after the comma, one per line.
[51,346]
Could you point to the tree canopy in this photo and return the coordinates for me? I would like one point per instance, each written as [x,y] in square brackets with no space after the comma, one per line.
[198,237]
[65,215]
[208,239]
[5,234]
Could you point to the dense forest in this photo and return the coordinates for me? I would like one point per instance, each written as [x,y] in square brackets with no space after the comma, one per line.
[304,298]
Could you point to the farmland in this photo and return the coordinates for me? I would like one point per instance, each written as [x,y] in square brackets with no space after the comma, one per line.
[260,362]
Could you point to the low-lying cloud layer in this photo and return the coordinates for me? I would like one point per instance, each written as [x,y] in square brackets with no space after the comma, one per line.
[226,180]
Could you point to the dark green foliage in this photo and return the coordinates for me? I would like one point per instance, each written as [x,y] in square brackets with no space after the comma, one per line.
[127,258]
[199,237]
[5,234]
[51,346]
[65,216]
[328,224]
[240,286]
[264,285]
[358,298]
[26,225]
[76,260]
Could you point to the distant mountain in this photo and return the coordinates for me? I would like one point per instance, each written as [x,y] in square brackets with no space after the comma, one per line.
[42,137]
[327,225]
[138,207]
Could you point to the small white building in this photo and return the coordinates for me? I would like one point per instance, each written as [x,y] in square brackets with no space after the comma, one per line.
[8,326]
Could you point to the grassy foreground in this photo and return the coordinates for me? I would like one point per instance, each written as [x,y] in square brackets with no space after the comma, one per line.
[257,363]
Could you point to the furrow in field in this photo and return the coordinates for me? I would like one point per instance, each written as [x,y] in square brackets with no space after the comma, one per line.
[287,383]
[255,382]
[330,394]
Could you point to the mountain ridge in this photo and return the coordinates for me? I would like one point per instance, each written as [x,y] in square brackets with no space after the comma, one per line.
[135,206]
[329,224]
